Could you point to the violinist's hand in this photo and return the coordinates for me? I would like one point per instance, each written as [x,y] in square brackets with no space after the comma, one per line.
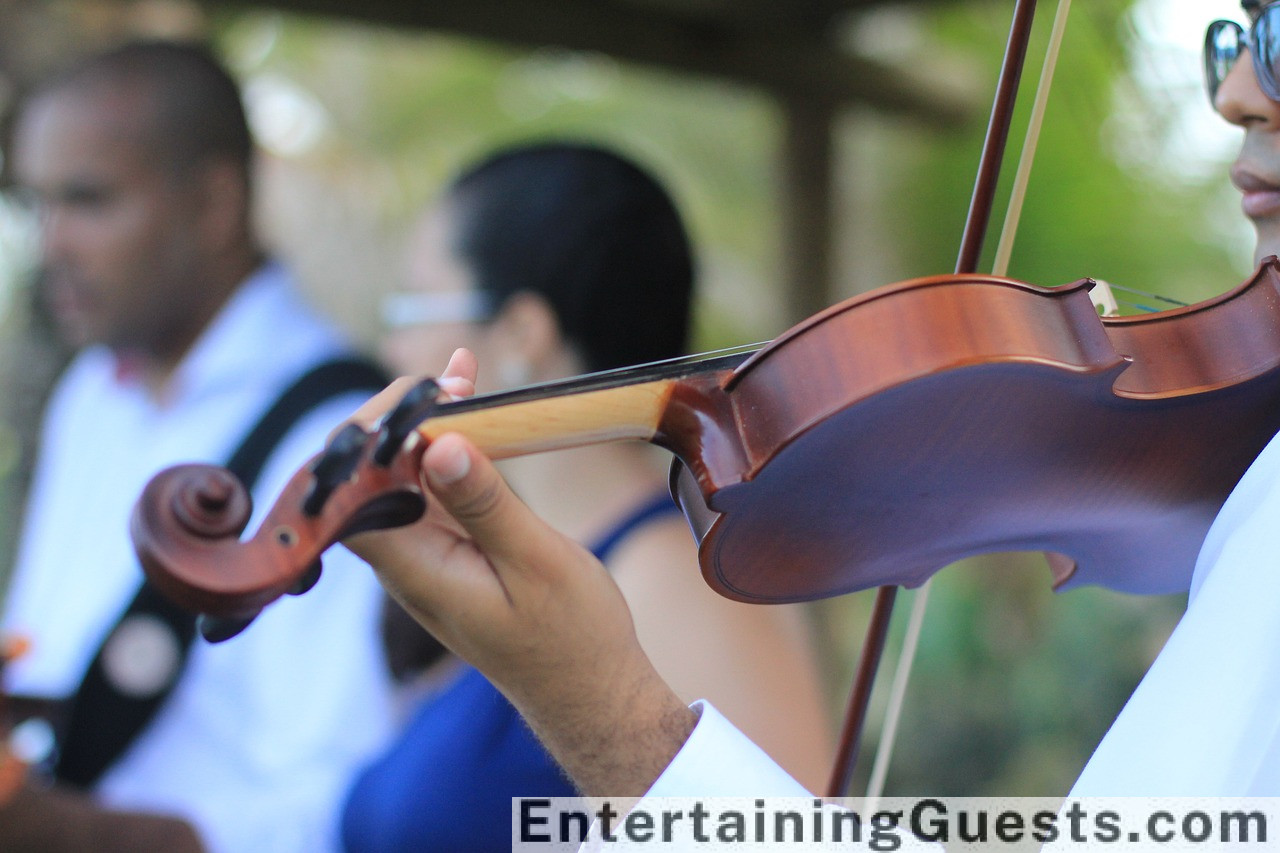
[531,609]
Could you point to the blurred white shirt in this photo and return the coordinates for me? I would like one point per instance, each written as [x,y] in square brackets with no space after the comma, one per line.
[262,733]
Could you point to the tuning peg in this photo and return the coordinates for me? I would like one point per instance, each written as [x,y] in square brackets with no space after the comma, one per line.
[218,629]
[308,579]
[413,409]
[334,467]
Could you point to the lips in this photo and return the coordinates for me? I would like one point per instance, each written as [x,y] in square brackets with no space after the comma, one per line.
[1260,195]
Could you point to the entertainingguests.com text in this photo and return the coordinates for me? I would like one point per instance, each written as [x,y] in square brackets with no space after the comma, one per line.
[927,823]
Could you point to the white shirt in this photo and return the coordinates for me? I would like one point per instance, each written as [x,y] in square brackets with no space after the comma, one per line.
[1205,721]
[262,733]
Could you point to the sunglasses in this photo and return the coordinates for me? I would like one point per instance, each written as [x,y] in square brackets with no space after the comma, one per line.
[1224,41]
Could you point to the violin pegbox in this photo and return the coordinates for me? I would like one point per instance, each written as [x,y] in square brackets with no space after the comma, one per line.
[414,407]
[187,524]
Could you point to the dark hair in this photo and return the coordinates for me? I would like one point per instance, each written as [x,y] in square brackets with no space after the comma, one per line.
[590,232]
[196,114]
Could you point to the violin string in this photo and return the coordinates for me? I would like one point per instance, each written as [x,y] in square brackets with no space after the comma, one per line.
[910,643]
[672,368]
[1156,296]
[1108,303]
[1147,309]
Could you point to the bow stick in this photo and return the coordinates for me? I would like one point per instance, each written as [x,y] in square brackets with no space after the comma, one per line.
[976,225]
[1000,266]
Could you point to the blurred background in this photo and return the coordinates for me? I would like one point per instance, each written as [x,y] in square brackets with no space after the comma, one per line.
[818,149]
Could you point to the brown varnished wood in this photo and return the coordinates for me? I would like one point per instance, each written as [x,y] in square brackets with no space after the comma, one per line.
[975,229]
[874,444]
[631,412]
[198,559]
[1048,442]
[1225,341]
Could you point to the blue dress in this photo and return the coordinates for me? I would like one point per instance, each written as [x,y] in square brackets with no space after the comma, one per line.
[445,784]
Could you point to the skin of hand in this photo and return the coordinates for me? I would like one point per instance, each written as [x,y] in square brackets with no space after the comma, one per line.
[39,819]
[531,609]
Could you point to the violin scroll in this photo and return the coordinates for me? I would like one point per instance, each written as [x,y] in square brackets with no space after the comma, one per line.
[186,525]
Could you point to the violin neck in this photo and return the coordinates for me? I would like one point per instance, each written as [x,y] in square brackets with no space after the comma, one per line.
[556,423]
[618,405]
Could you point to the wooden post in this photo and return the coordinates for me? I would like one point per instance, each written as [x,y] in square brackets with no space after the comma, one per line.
[807,196]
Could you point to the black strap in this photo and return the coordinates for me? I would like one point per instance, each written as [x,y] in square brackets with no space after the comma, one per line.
[139,663]
[322,383]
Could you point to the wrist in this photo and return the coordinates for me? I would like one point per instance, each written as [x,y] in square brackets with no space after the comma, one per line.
[615,738]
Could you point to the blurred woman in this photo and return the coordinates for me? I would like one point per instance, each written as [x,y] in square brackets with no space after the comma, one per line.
[549,261]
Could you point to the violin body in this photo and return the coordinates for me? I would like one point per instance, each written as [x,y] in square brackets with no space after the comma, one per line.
[946,417]
[872,445]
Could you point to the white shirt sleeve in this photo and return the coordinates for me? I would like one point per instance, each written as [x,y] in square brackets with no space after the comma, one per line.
[721,772]
[719,761]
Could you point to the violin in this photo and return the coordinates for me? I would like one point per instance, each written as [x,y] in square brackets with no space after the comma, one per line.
[874,444]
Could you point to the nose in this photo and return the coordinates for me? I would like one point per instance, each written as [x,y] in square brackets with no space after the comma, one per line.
[1241,101]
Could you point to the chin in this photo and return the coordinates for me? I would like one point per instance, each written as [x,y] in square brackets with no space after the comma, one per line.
[75,336]
[1268,243]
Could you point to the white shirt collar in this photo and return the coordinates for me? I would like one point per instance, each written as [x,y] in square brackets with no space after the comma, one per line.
[244,338]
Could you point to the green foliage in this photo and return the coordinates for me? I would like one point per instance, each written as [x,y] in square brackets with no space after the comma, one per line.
[1088,211]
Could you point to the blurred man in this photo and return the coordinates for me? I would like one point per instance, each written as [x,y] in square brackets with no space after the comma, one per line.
[139,163]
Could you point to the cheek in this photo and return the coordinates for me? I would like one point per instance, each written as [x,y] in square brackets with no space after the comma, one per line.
[122,244]
[423,350]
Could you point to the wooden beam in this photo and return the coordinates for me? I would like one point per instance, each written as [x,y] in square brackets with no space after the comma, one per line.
[779,62]
[807,209]
[793,15]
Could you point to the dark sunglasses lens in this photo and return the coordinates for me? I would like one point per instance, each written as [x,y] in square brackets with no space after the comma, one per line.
[1222,45]
[1266,35]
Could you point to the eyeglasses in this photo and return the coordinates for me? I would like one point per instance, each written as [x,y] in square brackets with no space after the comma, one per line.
[418,308]
[1224,41]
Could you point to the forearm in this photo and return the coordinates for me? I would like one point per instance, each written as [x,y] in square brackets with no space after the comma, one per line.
[613,741]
